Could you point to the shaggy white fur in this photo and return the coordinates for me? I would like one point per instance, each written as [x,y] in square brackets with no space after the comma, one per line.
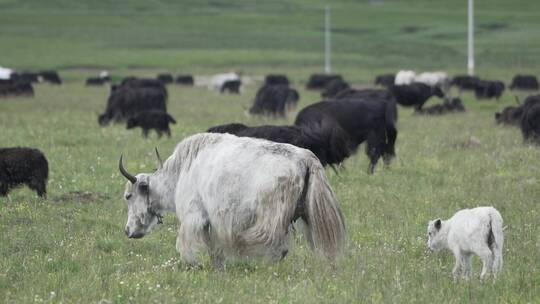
[236,197]
[470,231]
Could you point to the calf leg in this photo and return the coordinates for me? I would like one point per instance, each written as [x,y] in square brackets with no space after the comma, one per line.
[168,132]
[466,262]
[487,261]
[145,133]
[458,265]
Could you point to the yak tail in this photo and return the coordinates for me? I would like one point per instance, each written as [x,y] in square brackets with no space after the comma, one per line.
[325,223]
[171,119]
[498,240]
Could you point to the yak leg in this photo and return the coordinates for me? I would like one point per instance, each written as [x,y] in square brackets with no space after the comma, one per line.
[168,132]
[192,237]
[145,133]
[389,152]
[38,186]
[373,149]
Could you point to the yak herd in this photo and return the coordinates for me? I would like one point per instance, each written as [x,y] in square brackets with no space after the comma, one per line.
[332,128]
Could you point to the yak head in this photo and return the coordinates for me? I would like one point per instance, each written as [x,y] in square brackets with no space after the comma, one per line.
[103,119]
[437,91]
[143,202]
[132,123]
[436,235]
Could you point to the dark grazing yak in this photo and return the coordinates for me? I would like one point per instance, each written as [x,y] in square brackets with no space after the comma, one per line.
[276,79]
[414,94]
[359,120]
[448,106]
[165,78]
[319,81]
[530,119]
[385,80]
[488,89]
[231,86]
[23,166]
[152,120]
[465,82]
[334,87]
[372,94]
[524,82]
[16,88]
[274,100]
[187,80]
[509,116]
[126,102]
[328,144]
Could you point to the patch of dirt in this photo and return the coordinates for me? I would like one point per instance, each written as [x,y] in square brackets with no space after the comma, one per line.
[81,197]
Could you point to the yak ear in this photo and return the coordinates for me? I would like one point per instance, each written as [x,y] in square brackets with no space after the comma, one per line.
[438,224]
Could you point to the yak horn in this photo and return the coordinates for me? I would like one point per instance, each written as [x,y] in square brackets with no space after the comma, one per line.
[160,162]
[126,174]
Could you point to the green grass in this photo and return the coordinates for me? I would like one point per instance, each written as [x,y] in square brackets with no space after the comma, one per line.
[204,36]
[75,247]
[71,248]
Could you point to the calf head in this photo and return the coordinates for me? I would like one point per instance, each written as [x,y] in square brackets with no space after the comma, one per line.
[436,239]
[143,203]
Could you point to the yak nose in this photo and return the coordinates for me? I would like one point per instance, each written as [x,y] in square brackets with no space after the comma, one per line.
[133,234]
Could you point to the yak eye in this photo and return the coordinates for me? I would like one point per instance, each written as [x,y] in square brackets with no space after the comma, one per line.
[128,196]
[143,187]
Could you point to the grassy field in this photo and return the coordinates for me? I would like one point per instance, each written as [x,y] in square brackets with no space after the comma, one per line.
[71,247]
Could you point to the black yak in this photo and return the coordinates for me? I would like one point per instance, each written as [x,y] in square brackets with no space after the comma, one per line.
[97,81]
[334,87]
[133,82]
[185,80]
[23,166]
[327,143]
[524,82]
[274,100]
[156,120]
[414,94]
[126,102]
[165,78]
[465,82]
[11,87]
[276,79]
[231,86]
[382,95]
[385,80]
[509,116]
[488,89]
[319,81]
[359,121]
[530,119]
[448,106]
[51,77]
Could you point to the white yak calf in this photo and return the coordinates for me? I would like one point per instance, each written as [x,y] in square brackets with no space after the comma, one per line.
[470,231]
